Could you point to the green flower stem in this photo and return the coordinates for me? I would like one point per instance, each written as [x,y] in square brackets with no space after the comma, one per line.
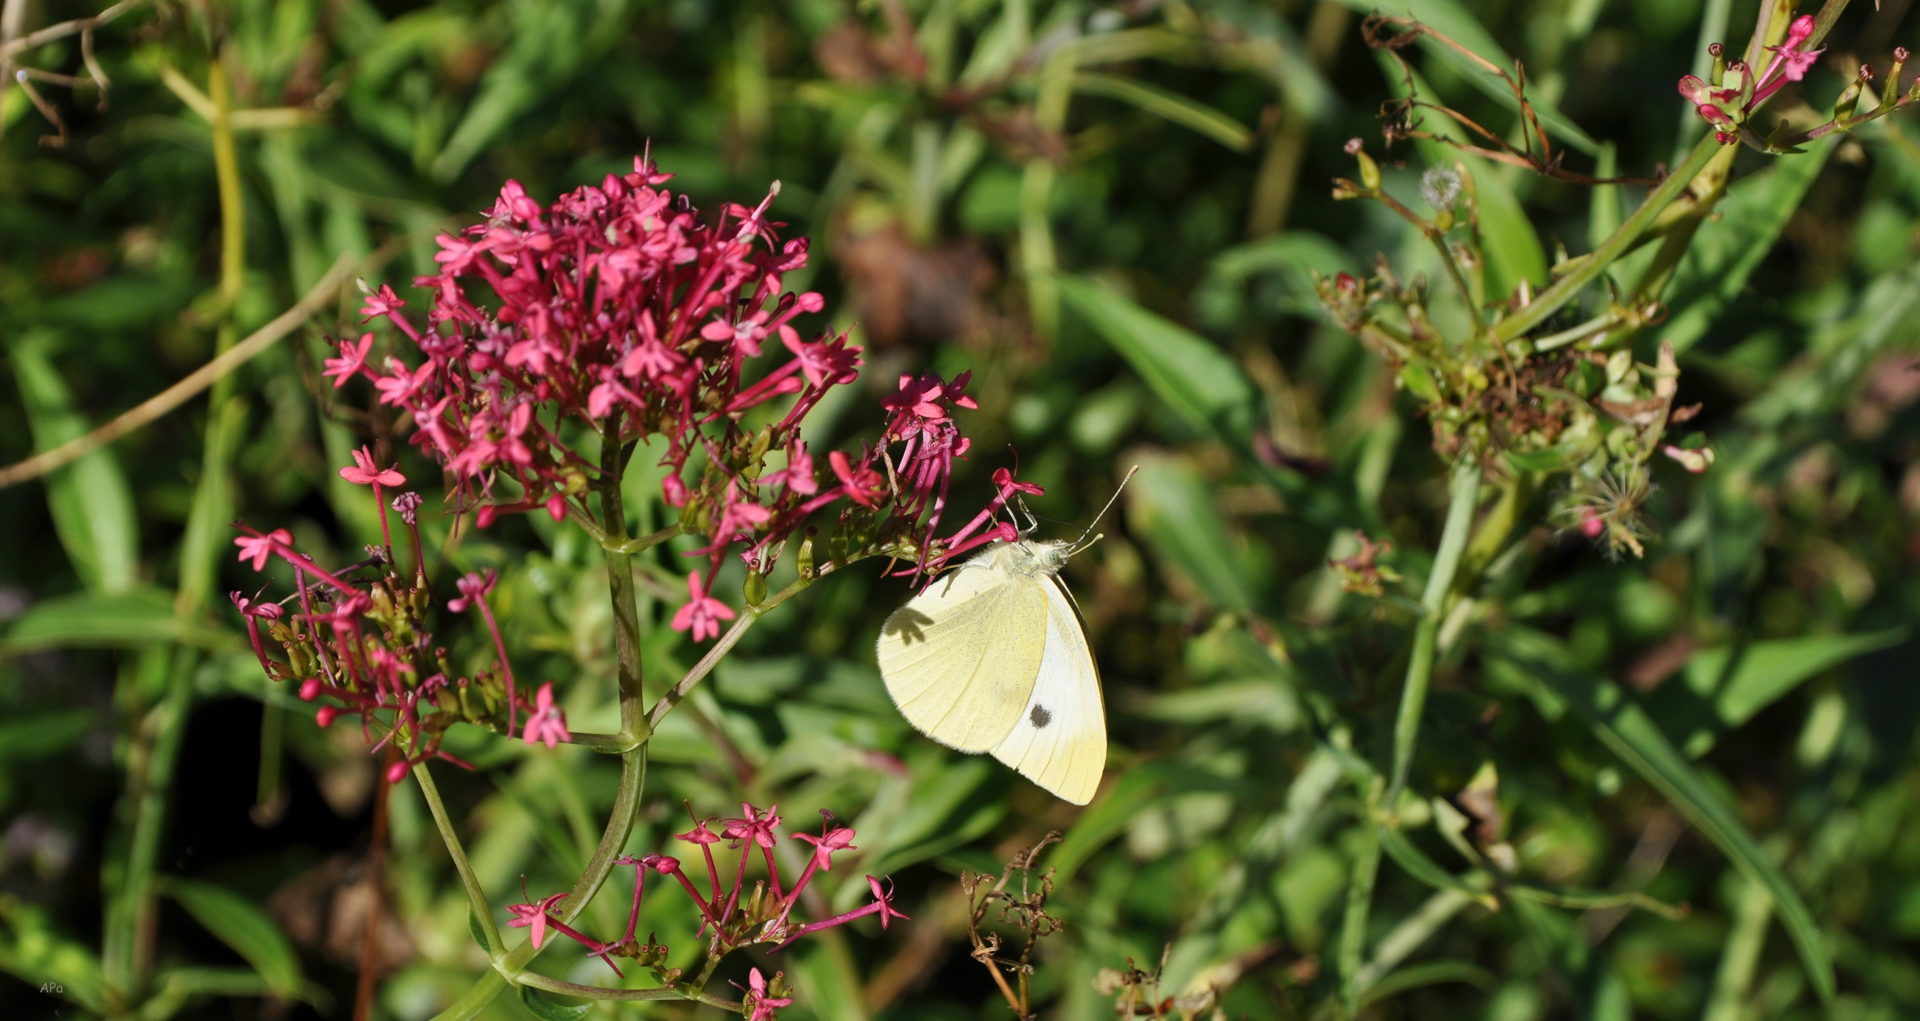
[1353,930]
[643,542]
[1446,561]
[1569,287]
[1488,540]
[133,916]
[476,897]
[627,995]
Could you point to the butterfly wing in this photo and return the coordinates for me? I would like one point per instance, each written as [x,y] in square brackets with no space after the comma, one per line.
[960,658]
[1060,738]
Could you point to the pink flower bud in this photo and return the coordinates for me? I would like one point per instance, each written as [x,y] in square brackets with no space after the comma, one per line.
[310,689]
[324,717]
[397,772]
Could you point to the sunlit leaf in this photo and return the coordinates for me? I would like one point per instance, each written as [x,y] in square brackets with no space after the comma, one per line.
[142,616]
[1196,380]
[1172,506]
[92,504]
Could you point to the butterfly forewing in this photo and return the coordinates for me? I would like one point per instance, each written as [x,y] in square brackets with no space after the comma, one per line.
[960,658]
[1060,738]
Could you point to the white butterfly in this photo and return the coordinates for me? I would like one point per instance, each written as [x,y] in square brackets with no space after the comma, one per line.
[993,657]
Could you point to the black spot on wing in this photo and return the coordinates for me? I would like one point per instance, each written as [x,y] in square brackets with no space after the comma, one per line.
[1040,717]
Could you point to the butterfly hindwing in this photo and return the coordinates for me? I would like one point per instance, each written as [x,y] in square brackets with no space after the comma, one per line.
[1060,739]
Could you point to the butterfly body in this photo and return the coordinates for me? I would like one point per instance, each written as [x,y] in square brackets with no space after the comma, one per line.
[992,657]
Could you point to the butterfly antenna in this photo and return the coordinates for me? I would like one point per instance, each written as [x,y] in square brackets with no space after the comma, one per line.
[1083,542]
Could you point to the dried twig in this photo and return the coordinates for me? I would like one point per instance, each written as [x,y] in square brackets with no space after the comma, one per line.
[179,393]
[1403,123]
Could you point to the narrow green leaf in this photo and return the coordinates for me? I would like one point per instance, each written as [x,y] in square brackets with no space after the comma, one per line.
[1172,506]
[1449,17]
[38,735]
[479,932]
[539,1006]
[1170,106]
[242,925]
[1195,379]
[1406,854]
[1430,973]
[1767,670]
[1133,793]
[1295,257]
[32,950]
[1728,248]
[92,504]
[140,617]
[1526,658]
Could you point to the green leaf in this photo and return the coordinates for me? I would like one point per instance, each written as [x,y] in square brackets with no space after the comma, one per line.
[479,932]
[242,925]
[1171,505]
[1728,248]
[38,735]
[32,950]
[1169,106]
[539,1006]
[1296,257]
[140,617]
[1140,789]
[1526,658]
[1192,377]
[1454,20]
[1765,671]
[1417,864]
[93,510]
[1414,976]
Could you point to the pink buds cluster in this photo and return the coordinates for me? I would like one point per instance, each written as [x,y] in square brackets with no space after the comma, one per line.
[731,915]
[361,643]
[1735,90]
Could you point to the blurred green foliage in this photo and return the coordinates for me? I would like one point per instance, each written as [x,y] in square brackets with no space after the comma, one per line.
[1111,214]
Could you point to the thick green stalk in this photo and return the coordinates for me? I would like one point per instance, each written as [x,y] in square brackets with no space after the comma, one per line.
[132,916]
[1446,561]
[1353,930]
[1569,287]
[1494,529]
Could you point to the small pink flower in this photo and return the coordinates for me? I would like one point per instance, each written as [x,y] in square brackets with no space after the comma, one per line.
[884,900]
[864,486]
[702,613]
[534,916]
[1789,61]
[841,839]
[1592,524]
[760,1002]
[472,588]
[548,722]
[699,834]
[382,302]
[352,357]
[755,828]
[258,548]
[365,474]
[825,361]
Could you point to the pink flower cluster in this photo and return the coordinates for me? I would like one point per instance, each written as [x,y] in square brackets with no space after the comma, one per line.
[1726,103]
[619,312]
[363,644]
[731,916]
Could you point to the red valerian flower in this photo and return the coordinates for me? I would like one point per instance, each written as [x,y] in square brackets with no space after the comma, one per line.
[365,473]
[258,548]
[352,357]
[1791,63]
[702,613]
[548,722]
[760,1002]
